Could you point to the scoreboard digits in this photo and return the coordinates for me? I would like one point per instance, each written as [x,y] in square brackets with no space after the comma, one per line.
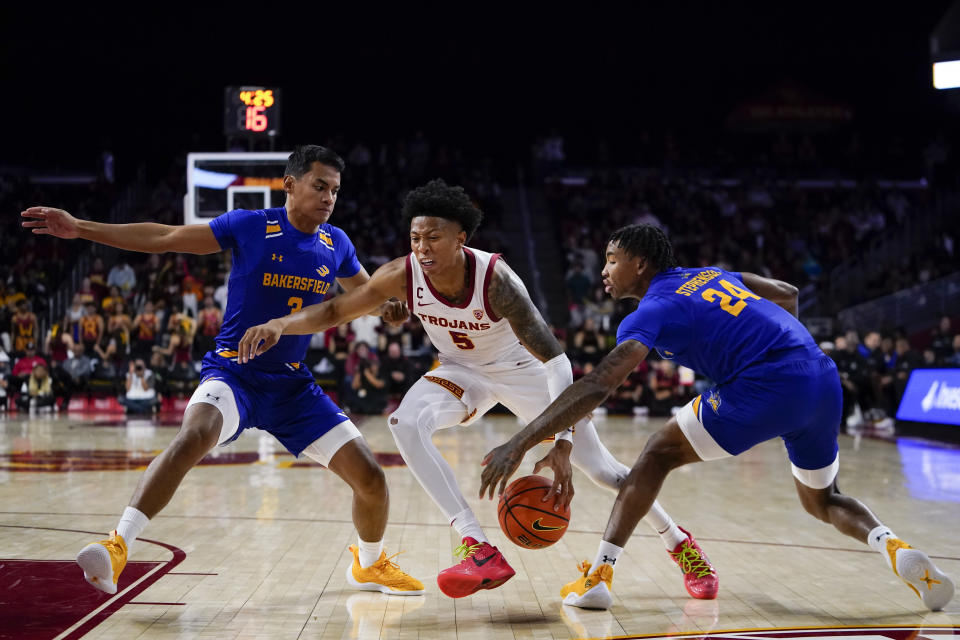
[251,111]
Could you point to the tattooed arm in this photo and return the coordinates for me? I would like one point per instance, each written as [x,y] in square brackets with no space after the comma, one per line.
[586,394]
[509,299]
[579,399]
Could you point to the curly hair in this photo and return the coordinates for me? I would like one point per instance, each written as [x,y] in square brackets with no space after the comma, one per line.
[304,156]
[440,200]
[646,241]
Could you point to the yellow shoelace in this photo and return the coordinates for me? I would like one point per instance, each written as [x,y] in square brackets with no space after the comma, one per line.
[114,545]
[388,563]
[691,561]
[464,551]
[584,567]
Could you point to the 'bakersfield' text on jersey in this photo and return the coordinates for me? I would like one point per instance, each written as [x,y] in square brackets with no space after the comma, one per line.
[276,270]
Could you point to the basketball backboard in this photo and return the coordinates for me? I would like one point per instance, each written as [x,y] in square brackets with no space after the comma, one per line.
[219,182]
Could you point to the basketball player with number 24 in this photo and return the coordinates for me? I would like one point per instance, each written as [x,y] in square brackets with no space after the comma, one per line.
[770,378]
[494,347]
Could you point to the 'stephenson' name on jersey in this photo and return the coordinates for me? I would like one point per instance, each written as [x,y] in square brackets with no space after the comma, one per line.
[706,319]
[276,270]
[693,285]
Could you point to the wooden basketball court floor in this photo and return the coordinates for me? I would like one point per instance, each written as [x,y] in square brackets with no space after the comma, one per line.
[254,544]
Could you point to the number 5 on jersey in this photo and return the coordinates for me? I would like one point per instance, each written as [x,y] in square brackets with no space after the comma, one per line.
[712,295]
[462,340]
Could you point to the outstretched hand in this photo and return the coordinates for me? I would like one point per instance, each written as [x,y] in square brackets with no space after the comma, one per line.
[257,340]
[558,459]
[500,464]
[51,222]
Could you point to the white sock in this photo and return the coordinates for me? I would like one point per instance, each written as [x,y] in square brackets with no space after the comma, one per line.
[467,526]
[877,539]
[606,554]
[369,552]
[131,525]
[661,522]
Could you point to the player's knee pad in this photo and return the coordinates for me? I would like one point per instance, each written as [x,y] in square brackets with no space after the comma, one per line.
[403,426]
[410,422]
[219,394]
[325,448]
[425,416]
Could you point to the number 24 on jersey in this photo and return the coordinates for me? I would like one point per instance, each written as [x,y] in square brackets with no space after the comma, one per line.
[726,299]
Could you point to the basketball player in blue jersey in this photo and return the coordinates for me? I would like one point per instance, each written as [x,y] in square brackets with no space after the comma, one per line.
[283,259]
[740,330]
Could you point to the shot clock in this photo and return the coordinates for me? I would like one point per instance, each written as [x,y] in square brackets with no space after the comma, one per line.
[251,111]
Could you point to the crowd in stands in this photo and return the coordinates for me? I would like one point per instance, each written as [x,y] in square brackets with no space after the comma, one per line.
[769,208]
[787,205]
[141,332]
[139,325]
[782,231]
[874,371]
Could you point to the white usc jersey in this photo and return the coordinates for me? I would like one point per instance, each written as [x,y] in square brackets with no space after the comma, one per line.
[469,333]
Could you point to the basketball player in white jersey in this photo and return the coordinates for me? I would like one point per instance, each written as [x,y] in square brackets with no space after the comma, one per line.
[494,347]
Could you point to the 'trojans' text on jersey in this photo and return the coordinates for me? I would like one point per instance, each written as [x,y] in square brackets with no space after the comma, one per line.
[286,281]
[453,324]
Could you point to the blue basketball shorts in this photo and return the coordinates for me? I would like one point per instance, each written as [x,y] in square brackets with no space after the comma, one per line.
[287,404]
[799,400]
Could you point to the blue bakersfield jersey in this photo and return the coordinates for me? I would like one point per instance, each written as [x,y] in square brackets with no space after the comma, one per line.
[707,320]
[276,270]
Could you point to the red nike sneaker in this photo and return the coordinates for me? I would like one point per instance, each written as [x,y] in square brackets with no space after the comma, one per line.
[482,567]
[699,576]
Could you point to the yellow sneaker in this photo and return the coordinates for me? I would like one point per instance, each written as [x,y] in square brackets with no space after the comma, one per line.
[383,576]
[592,590]
[931,585]
[103,561]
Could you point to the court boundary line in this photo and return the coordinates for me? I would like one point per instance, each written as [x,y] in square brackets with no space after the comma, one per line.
[115,602]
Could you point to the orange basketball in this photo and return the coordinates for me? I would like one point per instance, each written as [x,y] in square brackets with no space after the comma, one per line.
[526,520]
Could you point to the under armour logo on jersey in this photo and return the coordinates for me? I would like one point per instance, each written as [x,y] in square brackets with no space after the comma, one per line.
[216,398]
[608,560]
[278,257]
[323,271]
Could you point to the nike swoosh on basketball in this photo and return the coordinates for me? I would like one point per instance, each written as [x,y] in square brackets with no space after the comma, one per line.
[540,527]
